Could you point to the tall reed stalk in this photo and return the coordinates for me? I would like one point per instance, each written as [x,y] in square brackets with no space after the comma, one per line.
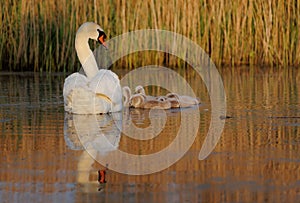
[38,35]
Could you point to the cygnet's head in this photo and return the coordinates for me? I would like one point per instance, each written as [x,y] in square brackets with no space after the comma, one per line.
[137,100]
[161,98]
[173,95]
[139,90]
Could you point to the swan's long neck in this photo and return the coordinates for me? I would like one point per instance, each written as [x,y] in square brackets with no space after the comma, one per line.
[85,55]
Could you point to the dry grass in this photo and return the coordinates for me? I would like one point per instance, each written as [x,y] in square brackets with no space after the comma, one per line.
[39,35]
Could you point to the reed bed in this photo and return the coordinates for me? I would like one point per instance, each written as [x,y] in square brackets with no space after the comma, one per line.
[38,35]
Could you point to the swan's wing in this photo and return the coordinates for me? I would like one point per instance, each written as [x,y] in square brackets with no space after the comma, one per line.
[82,100]
[72,81]
[107,83]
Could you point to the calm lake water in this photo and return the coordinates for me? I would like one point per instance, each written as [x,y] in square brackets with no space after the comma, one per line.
[257,158]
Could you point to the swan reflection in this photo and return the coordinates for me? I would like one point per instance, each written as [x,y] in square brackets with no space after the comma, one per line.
[97,134]
[130,141]
[93,132]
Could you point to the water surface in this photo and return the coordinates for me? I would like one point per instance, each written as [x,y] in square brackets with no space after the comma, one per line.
[257,158]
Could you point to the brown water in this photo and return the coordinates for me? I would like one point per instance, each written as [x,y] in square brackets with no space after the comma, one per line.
[257,158]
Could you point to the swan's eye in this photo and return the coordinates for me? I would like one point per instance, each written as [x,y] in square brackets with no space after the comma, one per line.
[101,34]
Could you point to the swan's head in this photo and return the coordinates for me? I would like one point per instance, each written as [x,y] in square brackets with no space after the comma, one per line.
[92,31]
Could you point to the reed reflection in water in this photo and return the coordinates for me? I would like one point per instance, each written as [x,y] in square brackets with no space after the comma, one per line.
[256,159]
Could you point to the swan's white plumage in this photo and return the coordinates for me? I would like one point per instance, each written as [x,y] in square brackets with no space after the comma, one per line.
[100,91]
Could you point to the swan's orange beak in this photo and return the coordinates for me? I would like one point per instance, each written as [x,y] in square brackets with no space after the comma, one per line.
[101,40]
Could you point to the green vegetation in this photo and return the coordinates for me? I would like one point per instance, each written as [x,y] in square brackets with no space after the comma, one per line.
[38,35]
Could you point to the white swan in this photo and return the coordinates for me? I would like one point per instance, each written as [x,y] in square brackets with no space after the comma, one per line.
[97,92]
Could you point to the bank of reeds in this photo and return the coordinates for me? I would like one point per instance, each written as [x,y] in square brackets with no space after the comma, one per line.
[39,35]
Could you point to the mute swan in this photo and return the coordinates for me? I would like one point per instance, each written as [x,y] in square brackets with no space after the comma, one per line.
[140,90]
[184,101]
[174,101]
[97,92]
[141,101]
